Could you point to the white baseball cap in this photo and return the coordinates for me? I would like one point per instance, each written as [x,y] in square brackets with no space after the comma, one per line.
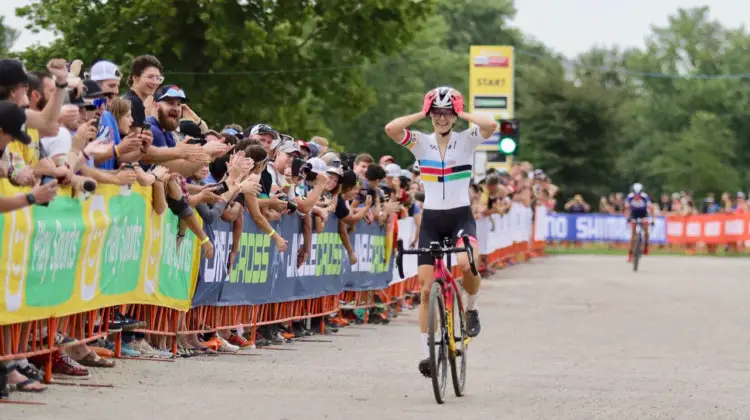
[104,70]
[317,165]
[392,169]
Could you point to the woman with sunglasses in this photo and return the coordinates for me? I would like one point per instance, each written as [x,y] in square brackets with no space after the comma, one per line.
[445,161]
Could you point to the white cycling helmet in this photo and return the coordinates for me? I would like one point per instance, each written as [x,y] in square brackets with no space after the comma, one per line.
[637,188]
[443,98]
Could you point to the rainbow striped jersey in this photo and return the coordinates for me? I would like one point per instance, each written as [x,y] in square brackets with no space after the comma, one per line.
[446,178]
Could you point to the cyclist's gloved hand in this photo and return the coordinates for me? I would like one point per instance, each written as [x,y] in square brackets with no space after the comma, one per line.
[428,98]
[458,101]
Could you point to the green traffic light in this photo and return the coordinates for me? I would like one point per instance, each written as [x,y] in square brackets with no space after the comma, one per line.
[507,145]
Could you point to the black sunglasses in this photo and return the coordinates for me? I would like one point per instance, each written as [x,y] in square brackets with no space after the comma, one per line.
[441,112]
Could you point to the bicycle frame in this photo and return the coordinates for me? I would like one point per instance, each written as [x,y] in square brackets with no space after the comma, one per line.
[449,288]
[443,291]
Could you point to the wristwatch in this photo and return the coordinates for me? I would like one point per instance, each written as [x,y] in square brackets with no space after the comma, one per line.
[31,199]
[61,85]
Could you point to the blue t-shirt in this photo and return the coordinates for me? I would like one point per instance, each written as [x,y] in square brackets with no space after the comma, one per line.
[108,133]
[162,138]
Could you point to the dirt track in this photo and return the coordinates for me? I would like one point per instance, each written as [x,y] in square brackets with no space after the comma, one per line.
[573,337]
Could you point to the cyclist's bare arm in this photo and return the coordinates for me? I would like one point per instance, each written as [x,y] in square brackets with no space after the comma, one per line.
[487,125]
[395,129]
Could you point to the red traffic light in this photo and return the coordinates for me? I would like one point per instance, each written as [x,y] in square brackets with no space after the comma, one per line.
[507,127]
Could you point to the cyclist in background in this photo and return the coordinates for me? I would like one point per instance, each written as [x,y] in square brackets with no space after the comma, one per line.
[638,206]
[445,161]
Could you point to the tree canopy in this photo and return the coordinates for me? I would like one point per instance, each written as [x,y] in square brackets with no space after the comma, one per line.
[669,114]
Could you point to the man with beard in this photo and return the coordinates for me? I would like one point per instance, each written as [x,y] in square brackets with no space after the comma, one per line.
[41,88]
[179,157]
[14,84]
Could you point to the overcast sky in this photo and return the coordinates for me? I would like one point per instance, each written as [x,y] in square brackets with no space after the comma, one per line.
[568,26]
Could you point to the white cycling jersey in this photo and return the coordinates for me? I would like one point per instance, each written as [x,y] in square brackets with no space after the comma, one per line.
[446,179]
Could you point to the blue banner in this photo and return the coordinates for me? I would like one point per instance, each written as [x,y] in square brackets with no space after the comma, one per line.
[594,227]
[261,274]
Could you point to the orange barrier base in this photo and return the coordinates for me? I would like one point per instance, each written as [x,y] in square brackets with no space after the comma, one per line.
[31,339]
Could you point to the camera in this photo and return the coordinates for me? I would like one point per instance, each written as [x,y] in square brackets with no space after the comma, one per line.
[291,206]
[306,172]
[347,161]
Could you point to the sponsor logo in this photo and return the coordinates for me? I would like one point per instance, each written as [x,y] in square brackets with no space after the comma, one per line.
[491,61]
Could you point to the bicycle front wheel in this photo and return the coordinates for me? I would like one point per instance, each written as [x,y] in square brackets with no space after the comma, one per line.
[458,360]
[438,342]
[637,250]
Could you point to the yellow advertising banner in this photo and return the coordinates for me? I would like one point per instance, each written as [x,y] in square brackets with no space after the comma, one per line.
[74,255]
[491,85]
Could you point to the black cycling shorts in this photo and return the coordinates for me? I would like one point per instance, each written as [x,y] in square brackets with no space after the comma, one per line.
[440,224]
[638,214]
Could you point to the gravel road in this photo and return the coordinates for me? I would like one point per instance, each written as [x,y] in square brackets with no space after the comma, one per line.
[566,337]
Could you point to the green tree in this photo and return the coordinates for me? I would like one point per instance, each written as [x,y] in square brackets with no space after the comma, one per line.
[8,37]
[695,163]
[439,56]
[570,131]
[283,62]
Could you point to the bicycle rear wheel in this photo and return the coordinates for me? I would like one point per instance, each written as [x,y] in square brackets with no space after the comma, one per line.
[458,360]
[439,347]
[637,251]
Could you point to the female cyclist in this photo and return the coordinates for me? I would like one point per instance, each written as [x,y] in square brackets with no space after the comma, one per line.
[445,160]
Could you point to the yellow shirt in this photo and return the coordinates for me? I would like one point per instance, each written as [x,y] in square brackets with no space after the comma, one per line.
[30,152]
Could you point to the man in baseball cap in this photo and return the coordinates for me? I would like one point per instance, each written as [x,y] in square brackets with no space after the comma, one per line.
[108,76]
[12,73]
[12,124]
[387,159]
[265,134]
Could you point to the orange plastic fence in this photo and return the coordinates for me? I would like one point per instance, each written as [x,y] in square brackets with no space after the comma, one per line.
[718,228]
[31,338]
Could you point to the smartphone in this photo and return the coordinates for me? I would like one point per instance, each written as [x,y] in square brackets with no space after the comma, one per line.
[222,188]
[146,126]
[46,179]
[296,166]
[198,141]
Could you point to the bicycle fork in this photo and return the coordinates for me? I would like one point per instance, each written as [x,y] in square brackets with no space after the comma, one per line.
[451,332]
[448,296]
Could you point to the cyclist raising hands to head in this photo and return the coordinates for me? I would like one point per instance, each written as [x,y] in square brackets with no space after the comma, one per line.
[445,160]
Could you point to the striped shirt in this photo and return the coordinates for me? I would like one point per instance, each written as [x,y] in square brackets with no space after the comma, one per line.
[445,178]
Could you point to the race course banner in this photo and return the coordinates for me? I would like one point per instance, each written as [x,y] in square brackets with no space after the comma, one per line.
[261,274]
[74,255]
[593,227]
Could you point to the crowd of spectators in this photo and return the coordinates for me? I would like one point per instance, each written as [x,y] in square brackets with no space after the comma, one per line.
[66,126]
[678,203]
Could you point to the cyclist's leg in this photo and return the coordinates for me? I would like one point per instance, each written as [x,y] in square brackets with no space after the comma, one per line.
[466,225]
[645,235]
[426,275]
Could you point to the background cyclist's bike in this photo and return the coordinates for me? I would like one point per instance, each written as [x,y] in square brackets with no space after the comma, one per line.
[448,341]
[639,242]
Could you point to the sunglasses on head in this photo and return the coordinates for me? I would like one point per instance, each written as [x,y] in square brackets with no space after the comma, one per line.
[336,163]
[172,92]
[438,112]
[264,129]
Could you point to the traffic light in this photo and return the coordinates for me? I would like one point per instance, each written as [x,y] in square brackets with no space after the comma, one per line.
[509,137]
